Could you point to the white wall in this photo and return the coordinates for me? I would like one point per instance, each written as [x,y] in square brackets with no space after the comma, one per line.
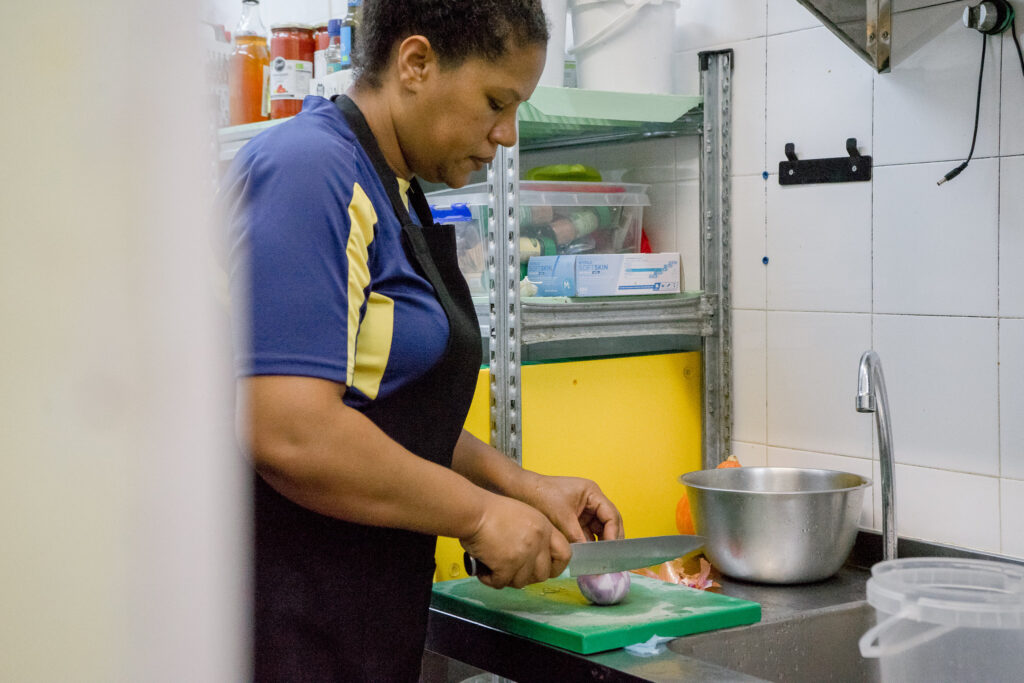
[931,277]
[928,276]
[275,11]
[122,499]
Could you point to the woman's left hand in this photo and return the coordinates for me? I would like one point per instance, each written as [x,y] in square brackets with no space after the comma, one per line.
[577,507]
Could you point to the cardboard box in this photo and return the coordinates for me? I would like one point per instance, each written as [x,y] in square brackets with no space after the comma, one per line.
[627,274]
[553,275]
[606,274]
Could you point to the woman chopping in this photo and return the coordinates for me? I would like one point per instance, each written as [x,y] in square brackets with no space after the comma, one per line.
[358,349]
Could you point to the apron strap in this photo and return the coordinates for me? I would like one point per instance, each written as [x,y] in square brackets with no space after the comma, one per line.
[415,239]
[361,128]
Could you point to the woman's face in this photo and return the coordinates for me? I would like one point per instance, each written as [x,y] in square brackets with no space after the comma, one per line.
[461,115]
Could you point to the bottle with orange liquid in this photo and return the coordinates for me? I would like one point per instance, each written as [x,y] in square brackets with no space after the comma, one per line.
[249,62]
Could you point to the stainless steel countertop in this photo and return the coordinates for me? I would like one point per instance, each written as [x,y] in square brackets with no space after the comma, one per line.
[524,660]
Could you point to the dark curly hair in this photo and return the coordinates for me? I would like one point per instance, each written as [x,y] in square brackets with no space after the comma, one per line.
[456,29]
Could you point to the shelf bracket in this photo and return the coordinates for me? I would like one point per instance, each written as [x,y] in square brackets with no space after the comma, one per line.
[865,26]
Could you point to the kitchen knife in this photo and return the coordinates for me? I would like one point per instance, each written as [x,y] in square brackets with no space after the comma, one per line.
[603,557]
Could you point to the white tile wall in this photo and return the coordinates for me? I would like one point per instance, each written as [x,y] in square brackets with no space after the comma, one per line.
[703,23]
[749,397]
[1012,500]
[688,153]
[1011,137]
[660,224]
[688,231]
[944,263]
[748,242]
[924,108]
[819,245]
[1011,231]
[748,105]
[812,382]
[815,103]
[942,381]
[787,15]
[936,247]
[948,507]
[750,454]
[1011,397]
[784,457]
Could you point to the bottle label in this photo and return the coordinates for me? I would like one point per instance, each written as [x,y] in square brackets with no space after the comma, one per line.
[346,47]
[319,63]
[289,78]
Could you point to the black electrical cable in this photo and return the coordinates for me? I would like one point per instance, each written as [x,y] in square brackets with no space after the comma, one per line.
[977,110]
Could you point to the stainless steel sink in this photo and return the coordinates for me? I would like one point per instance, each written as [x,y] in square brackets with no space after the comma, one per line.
[816,645]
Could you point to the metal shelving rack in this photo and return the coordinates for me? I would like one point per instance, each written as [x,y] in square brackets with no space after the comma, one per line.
[517,324]
[562,117]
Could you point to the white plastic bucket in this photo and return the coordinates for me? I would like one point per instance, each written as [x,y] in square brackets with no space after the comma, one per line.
[946,620]
[624,45]
[554,63]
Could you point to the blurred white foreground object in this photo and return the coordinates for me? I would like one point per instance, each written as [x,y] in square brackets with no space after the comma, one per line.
[122,503]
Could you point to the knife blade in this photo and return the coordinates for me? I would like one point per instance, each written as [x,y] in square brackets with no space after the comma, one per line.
[603,557]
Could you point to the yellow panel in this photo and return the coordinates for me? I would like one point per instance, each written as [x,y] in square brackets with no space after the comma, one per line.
[630,424]
[478,422]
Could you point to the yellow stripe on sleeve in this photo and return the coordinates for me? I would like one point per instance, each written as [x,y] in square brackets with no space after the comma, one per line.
[374,344]
[362,218]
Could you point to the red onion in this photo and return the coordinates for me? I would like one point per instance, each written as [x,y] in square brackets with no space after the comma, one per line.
[604,589]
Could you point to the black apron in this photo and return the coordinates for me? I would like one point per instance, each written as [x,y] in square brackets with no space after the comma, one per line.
[337,601]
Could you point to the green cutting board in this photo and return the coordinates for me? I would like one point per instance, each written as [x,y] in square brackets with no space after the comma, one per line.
[556,613]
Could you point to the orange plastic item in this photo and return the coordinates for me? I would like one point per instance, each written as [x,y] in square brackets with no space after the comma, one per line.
[684,520]
[731,461]
[245,77]
[291,55]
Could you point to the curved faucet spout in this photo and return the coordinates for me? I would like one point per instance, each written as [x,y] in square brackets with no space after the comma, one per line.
[872,398]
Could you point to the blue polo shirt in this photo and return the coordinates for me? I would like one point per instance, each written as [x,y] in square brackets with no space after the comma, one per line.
[320,282]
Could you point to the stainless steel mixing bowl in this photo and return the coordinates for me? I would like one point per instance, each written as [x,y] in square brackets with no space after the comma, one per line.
[776,524]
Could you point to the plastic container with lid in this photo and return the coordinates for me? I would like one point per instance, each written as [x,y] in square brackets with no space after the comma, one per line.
[562,217]
[945,619]
[291,67]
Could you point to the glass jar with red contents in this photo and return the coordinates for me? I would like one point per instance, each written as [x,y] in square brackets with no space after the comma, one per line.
[291,67]
[321,40]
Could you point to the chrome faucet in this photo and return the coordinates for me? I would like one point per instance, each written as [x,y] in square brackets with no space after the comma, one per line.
[871,398]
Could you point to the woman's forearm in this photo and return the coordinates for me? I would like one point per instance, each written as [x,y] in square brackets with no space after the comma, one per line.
[486,467]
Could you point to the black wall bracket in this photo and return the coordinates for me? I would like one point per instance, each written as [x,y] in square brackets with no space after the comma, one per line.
[855,167]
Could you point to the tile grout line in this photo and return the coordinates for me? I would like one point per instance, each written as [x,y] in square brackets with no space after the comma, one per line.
[999,227]
[871,277]
[930,468]
[764,208]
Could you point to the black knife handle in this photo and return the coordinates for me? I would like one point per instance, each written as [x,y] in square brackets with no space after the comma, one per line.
[474,567]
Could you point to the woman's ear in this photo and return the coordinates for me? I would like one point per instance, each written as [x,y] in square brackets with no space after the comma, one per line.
[416,62]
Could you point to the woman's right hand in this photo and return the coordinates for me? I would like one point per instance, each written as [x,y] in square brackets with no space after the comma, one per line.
[518,543]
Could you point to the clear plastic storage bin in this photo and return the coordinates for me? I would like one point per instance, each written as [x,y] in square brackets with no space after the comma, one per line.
[556,217]
[944,620]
